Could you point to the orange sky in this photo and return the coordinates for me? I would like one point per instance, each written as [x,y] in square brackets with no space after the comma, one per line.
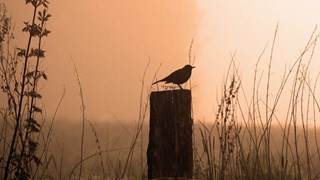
[111,40]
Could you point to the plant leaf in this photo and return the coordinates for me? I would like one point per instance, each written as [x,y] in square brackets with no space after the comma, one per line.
[21,53]
[37,109]
[37,52]
[44,75]
[34,30]
[45,32]
[34,94]
[30,74]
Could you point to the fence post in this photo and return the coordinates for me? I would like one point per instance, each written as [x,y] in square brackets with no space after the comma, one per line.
[170,152]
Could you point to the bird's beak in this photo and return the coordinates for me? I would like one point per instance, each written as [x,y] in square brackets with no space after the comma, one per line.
[193,67]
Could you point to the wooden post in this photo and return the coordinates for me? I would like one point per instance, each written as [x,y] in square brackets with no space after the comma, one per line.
[170,153]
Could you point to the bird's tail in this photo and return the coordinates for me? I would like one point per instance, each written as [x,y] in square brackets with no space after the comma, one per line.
[156,82]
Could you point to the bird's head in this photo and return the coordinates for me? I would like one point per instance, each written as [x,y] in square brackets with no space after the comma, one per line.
[189,67]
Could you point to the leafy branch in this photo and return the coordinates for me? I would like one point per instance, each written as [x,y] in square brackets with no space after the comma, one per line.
[20,159]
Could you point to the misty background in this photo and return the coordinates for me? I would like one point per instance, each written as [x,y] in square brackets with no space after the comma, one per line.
[112,41]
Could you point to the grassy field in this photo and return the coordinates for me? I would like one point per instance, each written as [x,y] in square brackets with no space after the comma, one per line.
[115,139]
[269,131]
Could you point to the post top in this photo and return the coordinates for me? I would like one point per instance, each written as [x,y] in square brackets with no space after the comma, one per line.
[173,91]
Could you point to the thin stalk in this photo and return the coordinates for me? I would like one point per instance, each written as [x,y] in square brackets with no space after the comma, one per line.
[142,115]
[93,155]
[269,118]
[46,144]
[19,114]
[33,100]
[315,103]
[83,117]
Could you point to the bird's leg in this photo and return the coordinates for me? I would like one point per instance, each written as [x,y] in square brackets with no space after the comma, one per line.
[180,86]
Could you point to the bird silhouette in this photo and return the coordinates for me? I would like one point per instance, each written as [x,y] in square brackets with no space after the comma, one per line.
[179,76]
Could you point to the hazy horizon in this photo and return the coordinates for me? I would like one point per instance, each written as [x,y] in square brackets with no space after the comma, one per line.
[111,42]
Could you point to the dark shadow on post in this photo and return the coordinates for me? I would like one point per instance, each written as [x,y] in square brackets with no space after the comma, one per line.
[170,153]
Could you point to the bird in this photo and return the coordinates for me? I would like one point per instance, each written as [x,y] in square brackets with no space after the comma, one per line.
[179,76]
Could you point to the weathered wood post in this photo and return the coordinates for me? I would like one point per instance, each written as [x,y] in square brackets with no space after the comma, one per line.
[170,153]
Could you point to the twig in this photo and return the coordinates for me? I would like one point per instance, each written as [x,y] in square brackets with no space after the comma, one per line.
[83,115]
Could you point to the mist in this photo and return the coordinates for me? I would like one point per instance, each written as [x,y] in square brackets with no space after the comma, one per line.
[111,43]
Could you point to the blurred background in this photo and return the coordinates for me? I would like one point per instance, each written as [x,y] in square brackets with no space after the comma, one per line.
[111,43]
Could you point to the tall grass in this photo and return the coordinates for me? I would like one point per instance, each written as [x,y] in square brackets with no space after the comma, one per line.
[247,140]
[83,117]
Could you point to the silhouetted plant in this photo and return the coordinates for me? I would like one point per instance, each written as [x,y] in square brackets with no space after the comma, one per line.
[20,75]
[258,145]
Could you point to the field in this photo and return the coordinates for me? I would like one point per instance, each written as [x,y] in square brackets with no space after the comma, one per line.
[113,139]
[264,130]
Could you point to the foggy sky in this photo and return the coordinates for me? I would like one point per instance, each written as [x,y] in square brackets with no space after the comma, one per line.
[111,41]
